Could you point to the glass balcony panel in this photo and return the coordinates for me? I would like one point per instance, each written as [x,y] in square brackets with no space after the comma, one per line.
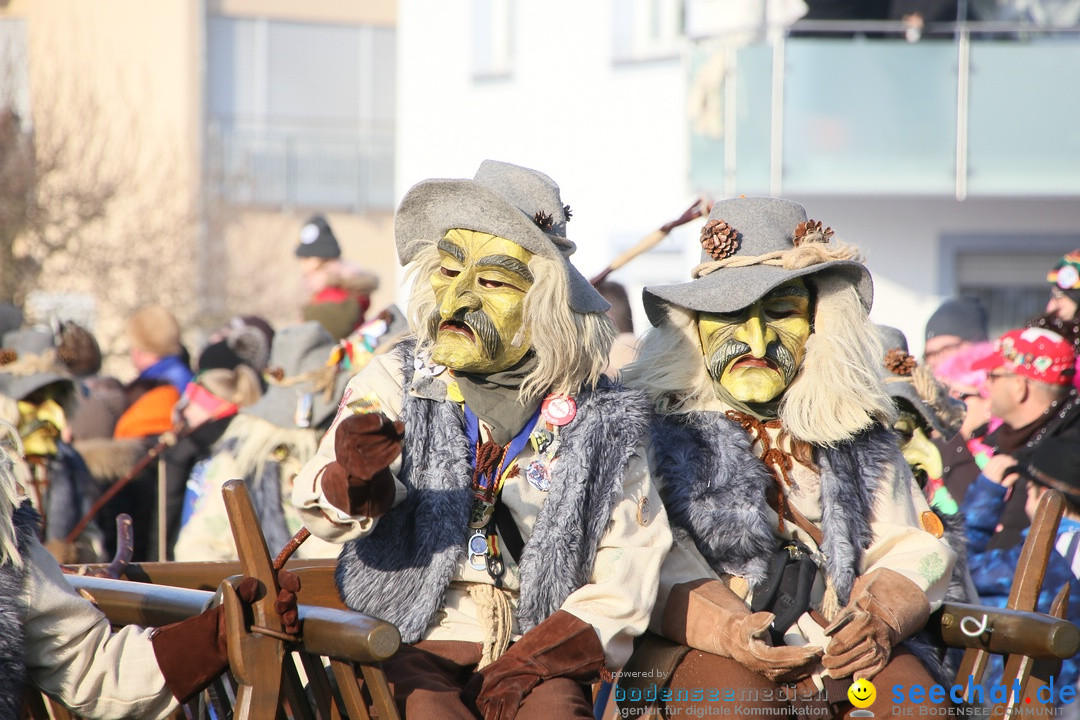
[1023,132]
[870,116]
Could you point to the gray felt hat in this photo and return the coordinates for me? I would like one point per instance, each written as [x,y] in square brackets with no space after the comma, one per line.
[503,200]
[302,389]
[927,395]
[762,225]
[31,365]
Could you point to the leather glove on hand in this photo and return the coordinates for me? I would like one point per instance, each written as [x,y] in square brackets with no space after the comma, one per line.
[359,481]
[887,608]
[285,604]
[708,616]
[561,646]
[193,652]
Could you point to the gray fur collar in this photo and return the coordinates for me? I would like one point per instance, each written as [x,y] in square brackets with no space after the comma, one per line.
[401,571]
[12,662]
[714,486]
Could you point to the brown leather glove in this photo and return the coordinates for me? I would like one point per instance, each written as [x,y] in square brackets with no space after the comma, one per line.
[886,608]
[561,646]
[359,481]
[193,652]
[707,616]
[285,604]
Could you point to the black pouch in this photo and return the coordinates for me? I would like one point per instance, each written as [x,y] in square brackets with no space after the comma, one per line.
[786,590]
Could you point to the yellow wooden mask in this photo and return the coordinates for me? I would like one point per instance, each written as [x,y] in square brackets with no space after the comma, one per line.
[754,353]
[480,289]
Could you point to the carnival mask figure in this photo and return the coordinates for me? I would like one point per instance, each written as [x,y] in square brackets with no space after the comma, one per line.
[492,425]
[775,455]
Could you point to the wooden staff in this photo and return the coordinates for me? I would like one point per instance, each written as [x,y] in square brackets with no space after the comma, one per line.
[699,208]
[151,455]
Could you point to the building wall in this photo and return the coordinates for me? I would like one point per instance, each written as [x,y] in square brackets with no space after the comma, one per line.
[611,134]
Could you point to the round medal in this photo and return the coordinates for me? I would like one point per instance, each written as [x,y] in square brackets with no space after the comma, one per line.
[478,544]
[558,410]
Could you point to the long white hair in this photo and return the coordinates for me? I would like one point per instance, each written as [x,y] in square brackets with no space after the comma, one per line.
[837,392]
[10,450]
[571,348]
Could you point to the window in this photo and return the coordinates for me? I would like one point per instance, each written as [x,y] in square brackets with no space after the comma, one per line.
[645,29]
[285,131]
[1008,276]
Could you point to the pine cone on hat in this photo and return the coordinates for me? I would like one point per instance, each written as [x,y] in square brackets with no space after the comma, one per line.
[719,239]
[812,231]
[899,362]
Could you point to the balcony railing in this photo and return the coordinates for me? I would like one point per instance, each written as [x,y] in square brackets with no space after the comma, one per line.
[286,168]
[971,109]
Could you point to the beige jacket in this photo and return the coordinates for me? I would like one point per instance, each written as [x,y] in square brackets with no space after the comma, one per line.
[618,600]
[73,655]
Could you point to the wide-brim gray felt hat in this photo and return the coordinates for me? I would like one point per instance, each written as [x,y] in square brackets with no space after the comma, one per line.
[907,380]
[758,226]
[302,390]
[28,363]
[509,201]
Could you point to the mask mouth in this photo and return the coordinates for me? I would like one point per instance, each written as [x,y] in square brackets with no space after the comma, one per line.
[456,326]
[753,362]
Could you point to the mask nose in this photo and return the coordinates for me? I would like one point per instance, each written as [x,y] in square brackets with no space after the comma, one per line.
[755,333]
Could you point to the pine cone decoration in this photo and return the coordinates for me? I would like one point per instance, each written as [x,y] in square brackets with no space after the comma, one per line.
[568,212]
[8,356]
[543,220]
[899,362]
[719,239]
[275,372]
[811,231]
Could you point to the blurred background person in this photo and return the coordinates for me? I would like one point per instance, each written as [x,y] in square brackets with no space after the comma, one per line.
[964,454]
[956,323]
[265,445]
[1029,376]
[1054,464]
[101,397]
[37,395]
[624,349]
[339,292]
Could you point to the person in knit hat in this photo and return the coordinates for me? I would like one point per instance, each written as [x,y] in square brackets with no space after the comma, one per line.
[956,323]
[773,418]
[102,399]
[488,484]
[339,292]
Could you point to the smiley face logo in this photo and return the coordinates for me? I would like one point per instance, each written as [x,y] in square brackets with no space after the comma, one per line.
[862,693]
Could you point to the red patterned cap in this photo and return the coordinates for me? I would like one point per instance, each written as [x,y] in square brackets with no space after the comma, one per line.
[1035,353]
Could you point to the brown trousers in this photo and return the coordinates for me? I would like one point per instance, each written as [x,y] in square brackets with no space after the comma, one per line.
[726,688]
[427,679]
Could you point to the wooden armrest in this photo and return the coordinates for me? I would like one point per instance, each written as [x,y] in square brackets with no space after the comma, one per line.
[132,603]
[1008,632]
[340,634]
[317,586]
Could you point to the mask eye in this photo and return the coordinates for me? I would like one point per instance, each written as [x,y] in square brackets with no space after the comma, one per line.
[484,282]
[447,272]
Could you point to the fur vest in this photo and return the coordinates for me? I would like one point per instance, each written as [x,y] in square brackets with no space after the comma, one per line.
[400,572]
[12,579]
[714,488]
